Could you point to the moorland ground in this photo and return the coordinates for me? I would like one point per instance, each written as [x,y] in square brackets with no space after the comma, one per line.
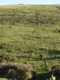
[28,31]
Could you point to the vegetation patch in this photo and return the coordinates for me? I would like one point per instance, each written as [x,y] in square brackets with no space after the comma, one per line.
[29,34]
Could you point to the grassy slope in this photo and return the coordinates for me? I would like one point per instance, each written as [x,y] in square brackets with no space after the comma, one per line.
[27,40]
[2,79]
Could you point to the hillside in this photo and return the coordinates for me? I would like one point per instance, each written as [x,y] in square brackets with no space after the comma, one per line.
[27,31]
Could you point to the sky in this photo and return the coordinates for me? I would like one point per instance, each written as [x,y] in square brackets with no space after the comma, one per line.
[9,2]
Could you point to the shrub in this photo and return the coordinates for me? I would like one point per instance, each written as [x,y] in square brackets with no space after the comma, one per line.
[41,56]
[7,58]
[16,71]
[55,71]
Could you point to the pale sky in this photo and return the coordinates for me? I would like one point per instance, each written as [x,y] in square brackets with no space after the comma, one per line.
[8,2]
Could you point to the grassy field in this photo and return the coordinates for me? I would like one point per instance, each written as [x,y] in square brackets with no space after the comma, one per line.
[27,31]
[2,79]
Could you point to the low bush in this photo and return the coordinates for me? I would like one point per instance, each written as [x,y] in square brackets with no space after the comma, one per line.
[16,71]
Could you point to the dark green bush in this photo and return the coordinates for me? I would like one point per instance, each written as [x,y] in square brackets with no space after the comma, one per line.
[55,71]
[16,71]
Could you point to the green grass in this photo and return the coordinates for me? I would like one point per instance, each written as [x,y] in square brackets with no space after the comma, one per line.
[21,36]
[3,79]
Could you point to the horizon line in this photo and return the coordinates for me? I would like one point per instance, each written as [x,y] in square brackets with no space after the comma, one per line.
[27,4]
